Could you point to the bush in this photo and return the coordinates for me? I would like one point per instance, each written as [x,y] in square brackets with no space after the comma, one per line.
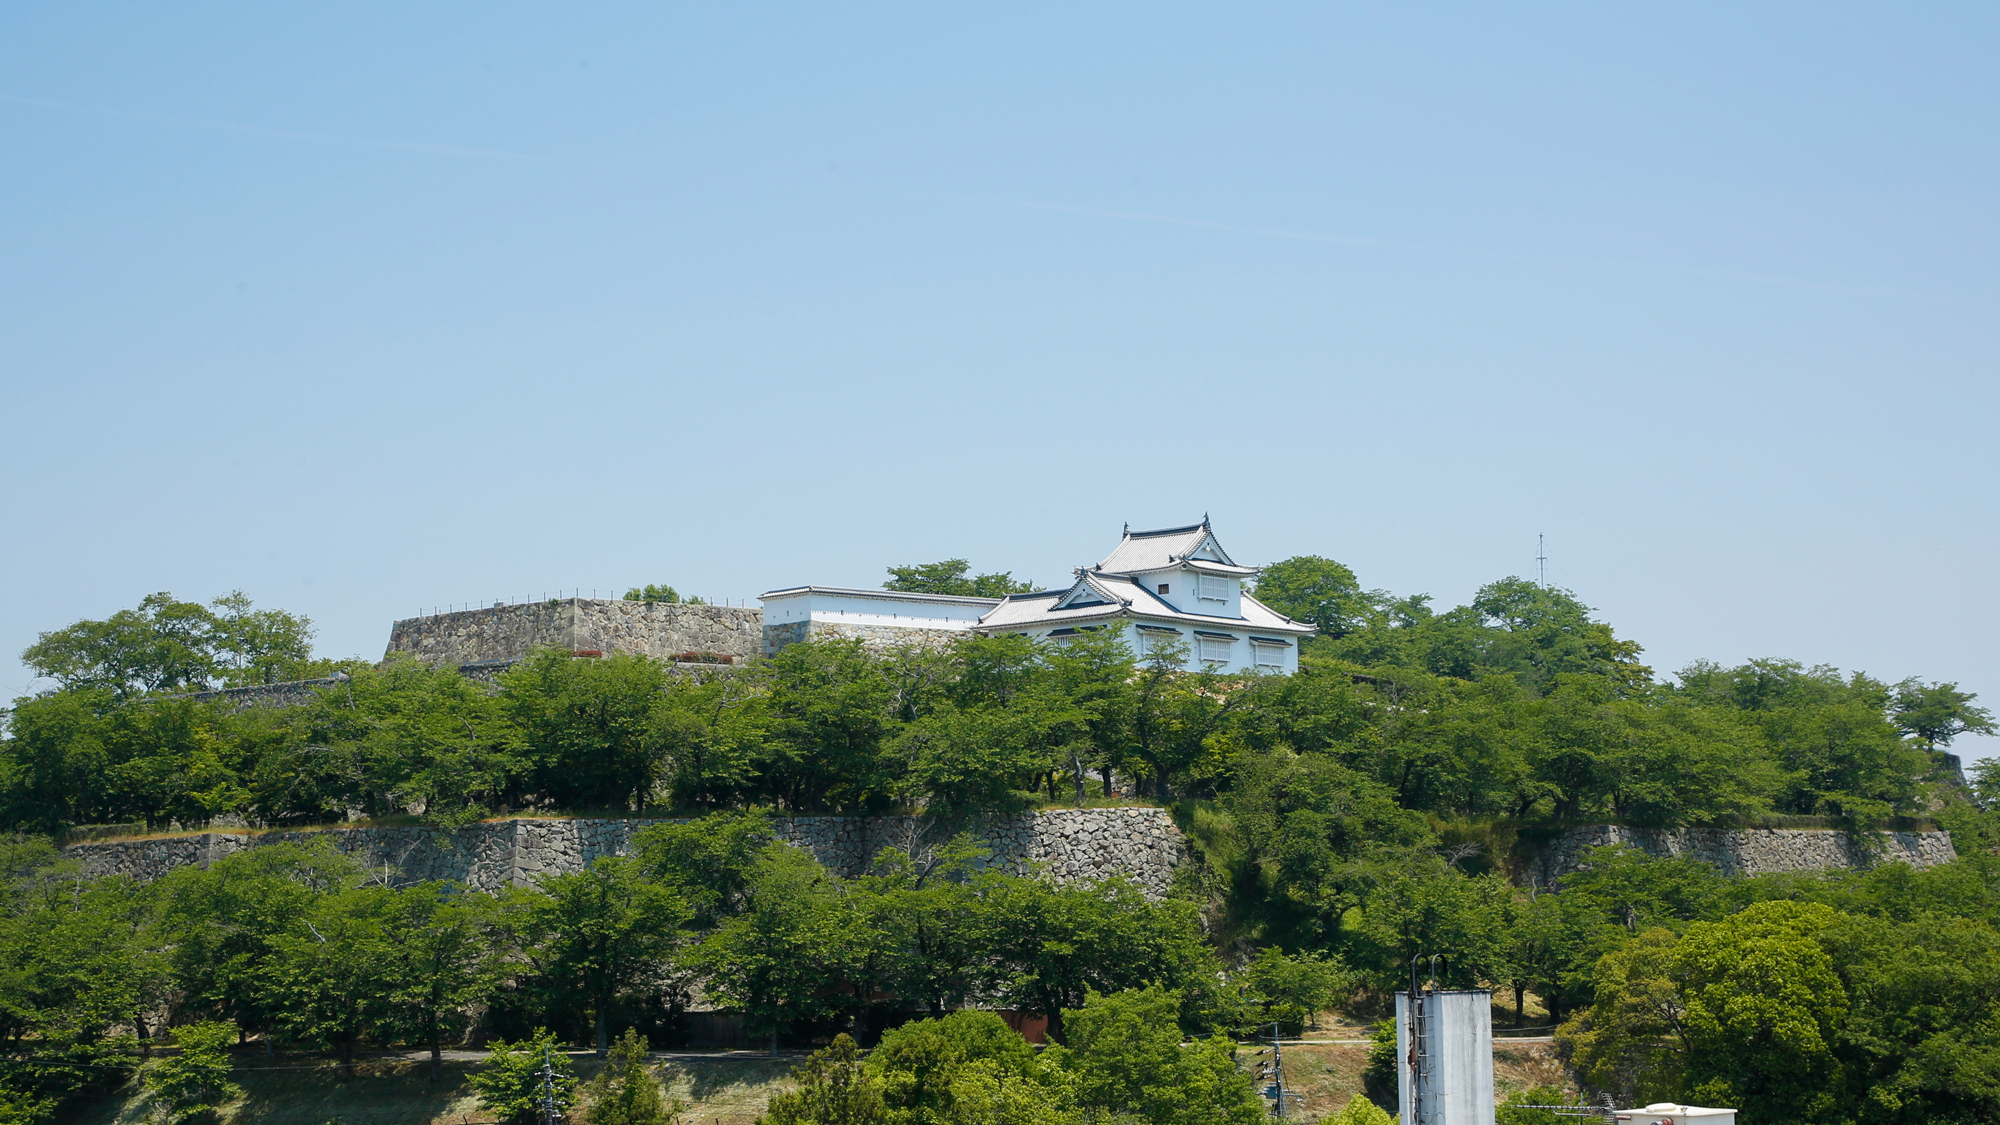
[510,1081]
[623,1093]
[834,1089]
[189,1085]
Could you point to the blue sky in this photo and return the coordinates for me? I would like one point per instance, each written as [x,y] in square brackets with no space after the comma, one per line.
[364,309]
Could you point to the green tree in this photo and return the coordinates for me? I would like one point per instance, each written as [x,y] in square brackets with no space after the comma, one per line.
[951,577]
[1314,836]
[1539,633]
[225,925]
[1125,1050]
[260,646]
[1924,1011]
[589,724]
[920,1066]
[1431,908]
[1292,991]
[1763,1010]
[709,861]
[1938,713]
[510,1081]
[57,759]
[931,943]
[829,713]
[710,728]
[1830,734]
[793,940]
[80,970]
[170,645]
[1053,944]
[439,937]
[624,1093]
[593,934]
[190,1084]
[402,735]
[833,1088]
[1361,1111]
[651,593]
[1313,589]
[1632,1041]
[955,760]
[332,980]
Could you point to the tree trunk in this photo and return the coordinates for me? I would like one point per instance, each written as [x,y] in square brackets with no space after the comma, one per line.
[603,1047]
[1519,989]
[437,1054]
[1106,771]
[347,1058]
[774,1040]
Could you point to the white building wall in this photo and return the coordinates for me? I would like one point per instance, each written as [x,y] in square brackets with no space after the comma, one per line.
[884,608]
[1242,658]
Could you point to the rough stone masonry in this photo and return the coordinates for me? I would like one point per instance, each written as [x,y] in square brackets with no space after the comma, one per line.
[657,629]
[1070,843]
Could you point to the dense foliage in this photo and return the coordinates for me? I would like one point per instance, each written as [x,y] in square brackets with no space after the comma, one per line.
[302,949]
[1518,705]
[1344,820]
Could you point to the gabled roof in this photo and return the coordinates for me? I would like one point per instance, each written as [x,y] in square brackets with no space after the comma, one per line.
[876,595]
[1126,597]
[1085,593]
[1141,551]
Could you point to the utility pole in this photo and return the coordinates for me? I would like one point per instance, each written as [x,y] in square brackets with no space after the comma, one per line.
[548,1088]
[1275,1071]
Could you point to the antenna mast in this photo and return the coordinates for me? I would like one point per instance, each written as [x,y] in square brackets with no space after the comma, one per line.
[1541,561]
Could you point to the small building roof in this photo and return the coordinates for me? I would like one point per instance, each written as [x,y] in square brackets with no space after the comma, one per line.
[877,595]
[1141,551]
[1096,596]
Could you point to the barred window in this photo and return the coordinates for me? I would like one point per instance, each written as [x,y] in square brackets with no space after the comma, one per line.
[1269,656]
[1212,589]
[1215,650]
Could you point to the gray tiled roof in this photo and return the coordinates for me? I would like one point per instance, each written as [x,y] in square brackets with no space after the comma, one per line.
[1153,550]
[1132,598]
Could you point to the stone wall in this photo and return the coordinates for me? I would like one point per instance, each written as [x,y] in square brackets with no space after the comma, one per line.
[290,693]
[503,633]
[1748,851]
[874,638]
[1072,843]
[784,634]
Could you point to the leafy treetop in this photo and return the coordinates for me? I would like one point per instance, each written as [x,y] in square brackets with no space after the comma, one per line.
[951,577]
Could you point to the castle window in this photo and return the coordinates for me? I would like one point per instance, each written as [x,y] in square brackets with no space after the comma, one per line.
[1212,589]
[1214,647]
[1163,587]
[1269,656]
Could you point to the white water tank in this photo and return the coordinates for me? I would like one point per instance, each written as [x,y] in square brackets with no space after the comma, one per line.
[1448,1078]
[1669,1113]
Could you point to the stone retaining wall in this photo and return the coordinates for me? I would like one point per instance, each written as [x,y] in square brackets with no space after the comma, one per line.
[501,633]
[874,638]
[290,693]
[1749,851]
[1072,843]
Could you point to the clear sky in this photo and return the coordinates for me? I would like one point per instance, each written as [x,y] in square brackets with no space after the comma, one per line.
[368,308]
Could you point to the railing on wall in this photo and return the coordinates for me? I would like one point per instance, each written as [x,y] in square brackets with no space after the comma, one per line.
[568,593]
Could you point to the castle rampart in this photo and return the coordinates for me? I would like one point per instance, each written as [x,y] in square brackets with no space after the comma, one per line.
[1072,843]
[510,632]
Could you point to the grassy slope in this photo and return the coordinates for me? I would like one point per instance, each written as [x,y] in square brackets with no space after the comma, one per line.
[724,1089]
[730,1088]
